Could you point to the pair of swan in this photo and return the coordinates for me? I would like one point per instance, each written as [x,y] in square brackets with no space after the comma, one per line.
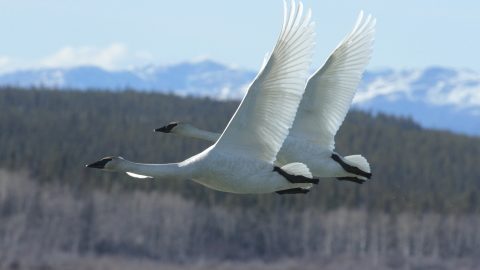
[327,98]
[257,153]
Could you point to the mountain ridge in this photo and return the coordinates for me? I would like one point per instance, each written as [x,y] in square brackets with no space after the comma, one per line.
[436,97]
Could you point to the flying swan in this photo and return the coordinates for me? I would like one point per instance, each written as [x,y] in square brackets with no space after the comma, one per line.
[241,160]
[327,98]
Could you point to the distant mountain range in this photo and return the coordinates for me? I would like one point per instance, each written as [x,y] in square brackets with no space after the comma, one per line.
[435,97]
[205,78]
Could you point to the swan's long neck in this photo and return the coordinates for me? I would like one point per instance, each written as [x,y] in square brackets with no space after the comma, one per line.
[193,132]
[169,170]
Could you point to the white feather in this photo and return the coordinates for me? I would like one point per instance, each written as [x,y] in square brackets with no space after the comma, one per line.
[297,168]
[330,90]
[358,161]
[261,122]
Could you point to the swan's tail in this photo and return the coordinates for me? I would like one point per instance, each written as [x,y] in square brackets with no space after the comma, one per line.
[361,163]
[299,170]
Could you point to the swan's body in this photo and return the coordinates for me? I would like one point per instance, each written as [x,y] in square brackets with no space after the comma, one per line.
[327,98]
[232,173]
[241,160]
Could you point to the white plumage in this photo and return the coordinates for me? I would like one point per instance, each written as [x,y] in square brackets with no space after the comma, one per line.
[241,160]
[327,98]
[330,91]
[261,122]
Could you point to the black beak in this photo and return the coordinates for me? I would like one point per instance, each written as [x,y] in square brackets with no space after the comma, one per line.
[99,164]
[167,129]
[162,129]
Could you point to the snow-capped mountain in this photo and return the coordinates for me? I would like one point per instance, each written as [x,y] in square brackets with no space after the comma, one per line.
[205,78]
[436,97]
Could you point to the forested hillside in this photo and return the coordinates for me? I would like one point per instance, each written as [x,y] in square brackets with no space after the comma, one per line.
[53,134]
[420,210]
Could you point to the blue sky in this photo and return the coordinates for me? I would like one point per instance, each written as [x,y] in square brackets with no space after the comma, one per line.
[121,34]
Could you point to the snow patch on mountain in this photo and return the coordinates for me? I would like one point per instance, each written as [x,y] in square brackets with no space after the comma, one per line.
[388,84]
[436,97]
[436,86]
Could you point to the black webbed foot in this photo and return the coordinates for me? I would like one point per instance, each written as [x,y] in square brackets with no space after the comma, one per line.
[351,179]
[297,179]
[293,191]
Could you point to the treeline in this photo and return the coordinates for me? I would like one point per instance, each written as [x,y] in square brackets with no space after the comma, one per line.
[51,224]
[53,134]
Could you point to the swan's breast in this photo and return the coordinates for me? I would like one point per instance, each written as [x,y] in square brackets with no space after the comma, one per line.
[237,174]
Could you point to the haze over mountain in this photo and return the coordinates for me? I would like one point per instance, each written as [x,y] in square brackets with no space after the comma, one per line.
[435,97]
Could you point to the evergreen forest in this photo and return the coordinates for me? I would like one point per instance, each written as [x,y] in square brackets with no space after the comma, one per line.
[420,209]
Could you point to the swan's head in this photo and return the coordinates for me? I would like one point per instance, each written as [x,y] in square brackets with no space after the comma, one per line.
[172,127]
[106,163]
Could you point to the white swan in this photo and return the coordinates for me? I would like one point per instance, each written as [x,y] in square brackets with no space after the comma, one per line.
[241,160]
[328,95]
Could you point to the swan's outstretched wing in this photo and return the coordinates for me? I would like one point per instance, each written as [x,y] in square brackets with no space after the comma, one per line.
[330,90]
[261,122]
